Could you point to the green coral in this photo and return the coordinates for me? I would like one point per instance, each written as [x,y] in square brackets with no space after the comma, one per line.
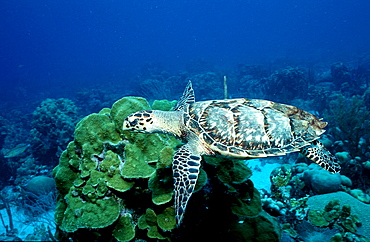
[336,238]
[202,180]
[144,148]
[155,223]
[165,157]
[163,105]
[287,228]
[166,220]
[332,210]
[263,227]
[317,217]
[110,166]
[124,229]
[149,221]
[347,220]
[90,134]
[234,174]
[98,168]
[64,173]
[299,206]
[161,185]
[82,214]
[230,171]
[247,202]
[136,166]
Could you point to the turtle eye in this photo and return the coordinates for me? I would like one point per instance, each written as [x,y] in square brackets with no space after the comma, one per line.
[133,123]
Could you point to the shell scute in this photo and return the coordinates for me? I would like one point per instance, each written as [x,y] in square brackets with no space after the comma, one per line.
[194,125]
[221,147]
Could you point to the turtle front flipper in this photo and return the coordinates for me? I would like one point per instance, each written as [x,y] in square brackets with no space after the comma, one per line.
[321,156]
[185,167]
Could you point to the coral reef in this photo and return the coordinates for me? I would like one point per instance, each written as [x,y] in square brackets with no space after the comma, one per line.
[248,86]
[340,74]
[13,150]
[3,131]
[320,96]
[291,188]
[349,119]
[92,100]
[350,125]
[366,97]
[208,85]
[156,83]
[27,167]
[307,216]
[286,84]
[361,73]
[53,123]
[256,71]
[158,88]
[118,184]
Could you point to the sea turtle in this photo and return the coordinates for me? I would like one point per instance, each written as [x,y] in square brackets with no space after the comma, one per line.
[238,128]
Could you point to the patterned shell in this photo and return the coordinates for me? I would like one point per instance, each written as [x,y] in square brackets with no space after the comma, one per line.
[250,128]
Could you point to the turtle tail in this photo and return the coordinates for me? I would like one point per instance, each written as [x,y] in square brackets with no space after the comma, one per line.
[317,153]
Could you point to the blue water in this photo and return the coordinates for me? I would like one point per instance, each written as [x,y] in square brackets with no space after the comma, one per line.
[57,47]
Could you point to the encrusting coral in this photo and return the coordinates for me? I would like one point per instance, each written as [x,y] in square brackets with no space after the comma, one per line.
[119,184]
[341,211]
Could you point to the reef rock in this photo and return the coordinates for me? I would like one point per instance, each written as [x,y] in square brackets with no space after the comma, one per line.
[321,181]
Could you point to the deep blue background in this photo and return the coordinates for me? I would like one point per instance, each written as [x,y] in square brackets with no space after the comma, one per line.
[64,45]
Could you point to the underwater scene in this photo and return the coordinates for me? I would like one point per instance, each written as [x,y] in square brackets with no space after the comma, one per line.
[185,120]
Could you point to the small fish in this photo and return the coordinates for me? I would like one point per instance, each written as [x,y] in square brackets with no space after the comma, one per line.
[19,149]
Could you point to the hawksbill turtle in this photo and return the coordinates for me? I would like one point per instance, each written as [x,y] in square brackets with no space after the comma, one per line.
[237,128]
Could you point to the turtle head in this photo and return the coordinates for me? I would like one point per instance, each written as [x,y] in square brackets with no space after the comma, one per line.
[155,121]
[141,121]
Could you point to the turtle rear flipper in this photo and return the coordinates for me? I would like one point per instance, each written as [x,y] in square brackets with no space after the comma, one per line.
[321,156]
[186,164]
